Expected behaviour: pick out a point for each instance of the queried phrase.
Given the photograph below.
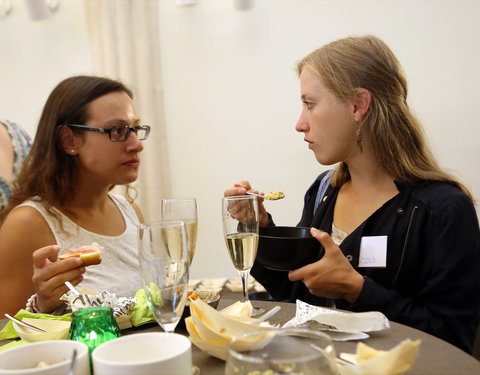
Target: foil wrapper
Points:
(120, 305)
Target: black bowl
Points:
(287, 248)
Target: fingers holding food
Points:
(90, 254)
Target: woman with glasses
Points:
(400, 235)
(88, 140)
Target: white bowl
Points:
(144, 354)
(56, 329)
(22, 360)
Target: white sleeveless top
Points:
(119, 271)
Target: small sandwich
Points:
(91, 254)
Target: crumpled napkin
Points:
(13, 344)
(8, 332)
(235, 284)
(141, 313)
(370, 361)
(211, 330)
(340, 326)
(215, 284)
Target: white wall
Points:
(232, 94)
(36, 55)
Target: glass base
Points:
(256, 311)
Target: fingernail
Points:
(314, 230)
(56, 247)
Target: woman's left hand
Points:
(332, 276)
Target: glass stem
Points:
(244, 277)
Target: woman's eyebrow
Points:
(122, 122)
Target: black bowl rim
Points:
(286, 238)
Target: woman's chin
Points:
(322, 159)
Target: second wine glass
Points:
(163, 259)
(184, 209)
(240, 229)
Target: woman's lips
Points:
(132, 163)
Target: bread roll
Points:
(90, 254)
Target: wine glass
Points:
(163, 258)
(240, 229)
(281, 351)
(184, 209)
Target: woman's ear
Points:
(361, 104)
(68, 140)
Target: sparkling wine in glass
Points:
(183, 209)
(163, 258)
(240, 229)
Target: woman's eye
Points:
(117, 131)
(308, 105)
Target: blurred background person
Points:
(15, 144)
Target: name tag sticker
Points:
(373, 252)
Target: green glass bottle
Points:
(93, 326)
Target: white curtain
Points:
(125, 45)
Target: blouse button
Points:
(400, 211)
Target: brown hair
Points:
(396, 135)
(47, 173)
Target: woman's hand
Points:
(332, 276)
(241, 188)
(49, 277)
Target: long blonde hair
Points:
(396, 135)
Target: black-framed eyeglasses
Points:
(118, 133)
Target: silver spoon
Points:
(266, 316)
(71, 369)
(31, 326)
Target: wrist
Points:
(355, 288)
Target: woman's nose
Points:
(133, 143)
(301, 125)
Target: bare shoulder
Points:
(138, 211)
(25, 229)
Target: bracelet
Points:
(32, 304)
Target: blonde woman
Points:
(400, 235)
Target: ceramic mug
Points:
(24, 359)
(144, 354)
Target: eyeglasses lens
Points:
(121, 133)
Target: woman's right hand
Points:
(49, 277)
(241, 188)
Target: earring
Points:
(72, 151)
